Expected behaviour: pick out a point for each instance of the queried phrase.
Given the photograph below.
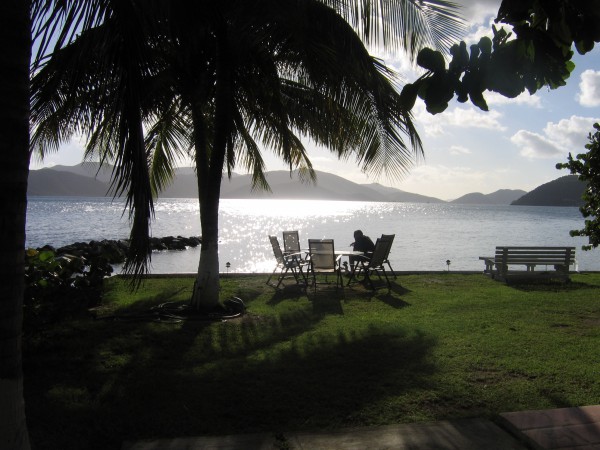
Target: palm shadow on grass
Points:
(95, 384)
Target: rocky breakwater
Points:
(114, 251)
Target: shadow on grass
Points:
(391, 300)
(398, 288)
(550, 286)
(289, 292)
(96, 384)
(382, 293)
(327, 301)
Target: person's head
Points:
(358, 234)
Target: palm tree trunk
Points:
(206, 287)
(209, 165)
(15, 48)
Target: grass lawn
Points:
(438, 346)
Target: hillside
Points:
(84, 180)
(81, 180)
(564, 191)
(87, 169)
(51, 182)
(501, 197)
(396, 195)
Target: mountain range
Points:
(88, 180)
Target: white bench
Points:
(556, 262)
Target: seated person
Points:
(361, 243)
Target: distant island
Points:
(565, 191)
(86, 180)
(501, 197)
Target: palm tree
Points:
(109, 107)
(15, 45)
(236, 74)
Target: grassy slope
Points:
(436, 347)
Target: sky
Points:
(515, 145)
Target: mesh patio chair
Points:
(374, 265)
(291, 243)
(322, 260)
(390, 238)
(288, 265)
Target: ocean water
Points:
(427, 235)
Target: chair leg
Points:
(282, 277)
(377, 271)
(387, 281)
(391, 270)
(305, 274)
(355, 271)
(368, 279)
(299, 276)
(271, 276)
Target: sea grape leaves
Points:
(536, 53)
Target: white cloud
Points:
(589, 88)
(435, 125)
(479, 30)
(558, 139)
(534, 145)
(474, 118)
(493, 98)
(478, 12)
(459, 150)
(571, 133)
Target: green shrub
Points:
(59, 285)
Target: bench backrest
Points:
(564, 256)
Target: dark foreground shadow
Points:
(94, 385)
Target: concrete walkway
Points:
(565, 428)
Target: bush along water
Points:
(68, 280)
(60, 285)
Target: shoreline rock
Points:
(115, 250)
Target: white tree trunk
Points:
(206, 287)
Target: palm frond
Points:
(404, 24)
(57, 23)
(343, 98)
(166, 142)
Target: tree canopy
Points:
(587, 167)
(536, 53)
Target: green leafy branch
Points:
(539, 54)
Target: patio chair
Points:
(390, 238)
(291, 242)
(288, 265)
(322, 260)
(374, 265)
